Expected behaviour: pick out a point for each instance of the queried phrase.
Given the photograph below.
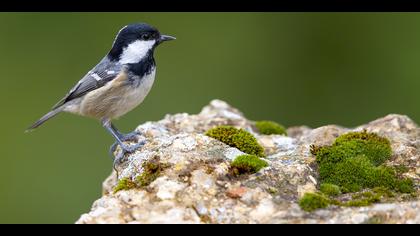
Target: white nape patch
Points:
(96, 76)
(135, 51)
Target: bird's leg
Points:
(120, 138)
(114, 145)
(133, 136)
(120, 135)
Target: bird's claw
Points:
(112, 149)
(125, 149)
(119, 157)
(133, 136)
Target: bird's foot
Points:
(119, 156)
(133, 136)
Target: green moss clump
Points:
(376, 148)
(354, 174)
(330, 189)
(405, 186)
(244, 164)
(237, 138)
(312, 201)
(151, 170)
(270, 127)
(363, 199)
(361, 202)
(353, 162)
(368, 197)
(125, 184)
(384, 192)
(272, 190)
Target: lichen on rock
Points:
(181, 175)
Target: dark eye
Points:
(145, 36)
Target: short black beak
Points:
(166, 38)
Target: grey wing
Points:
(94, 79)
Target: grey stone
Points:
(194, 186)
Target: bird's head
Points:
(135, 41)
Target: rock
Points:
(236, 192)
(194, 184)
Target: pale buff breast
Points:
(116, 98)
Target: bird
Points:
(116, 85)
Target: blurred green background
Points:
(294, 68)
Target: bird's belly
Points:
(133, 96)
(115, 100)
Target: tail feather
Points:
(46, 117)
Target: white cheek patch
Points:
(135, 51)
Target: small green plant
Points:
(151, 170)
(125, 184)
(312, 201)
(405, 186)
(270, 127)
(245, 164)
(368, 197)
(238, 138)
(363, 199)
(330, 189)
(359, 199)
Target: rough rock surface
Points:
(195, 188)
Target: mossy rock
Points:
(151, 170)
(247, 164)
(355, 161)
(125, 184)
(270, 127)
(313, 201)
(238, 138)
(368, 197)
